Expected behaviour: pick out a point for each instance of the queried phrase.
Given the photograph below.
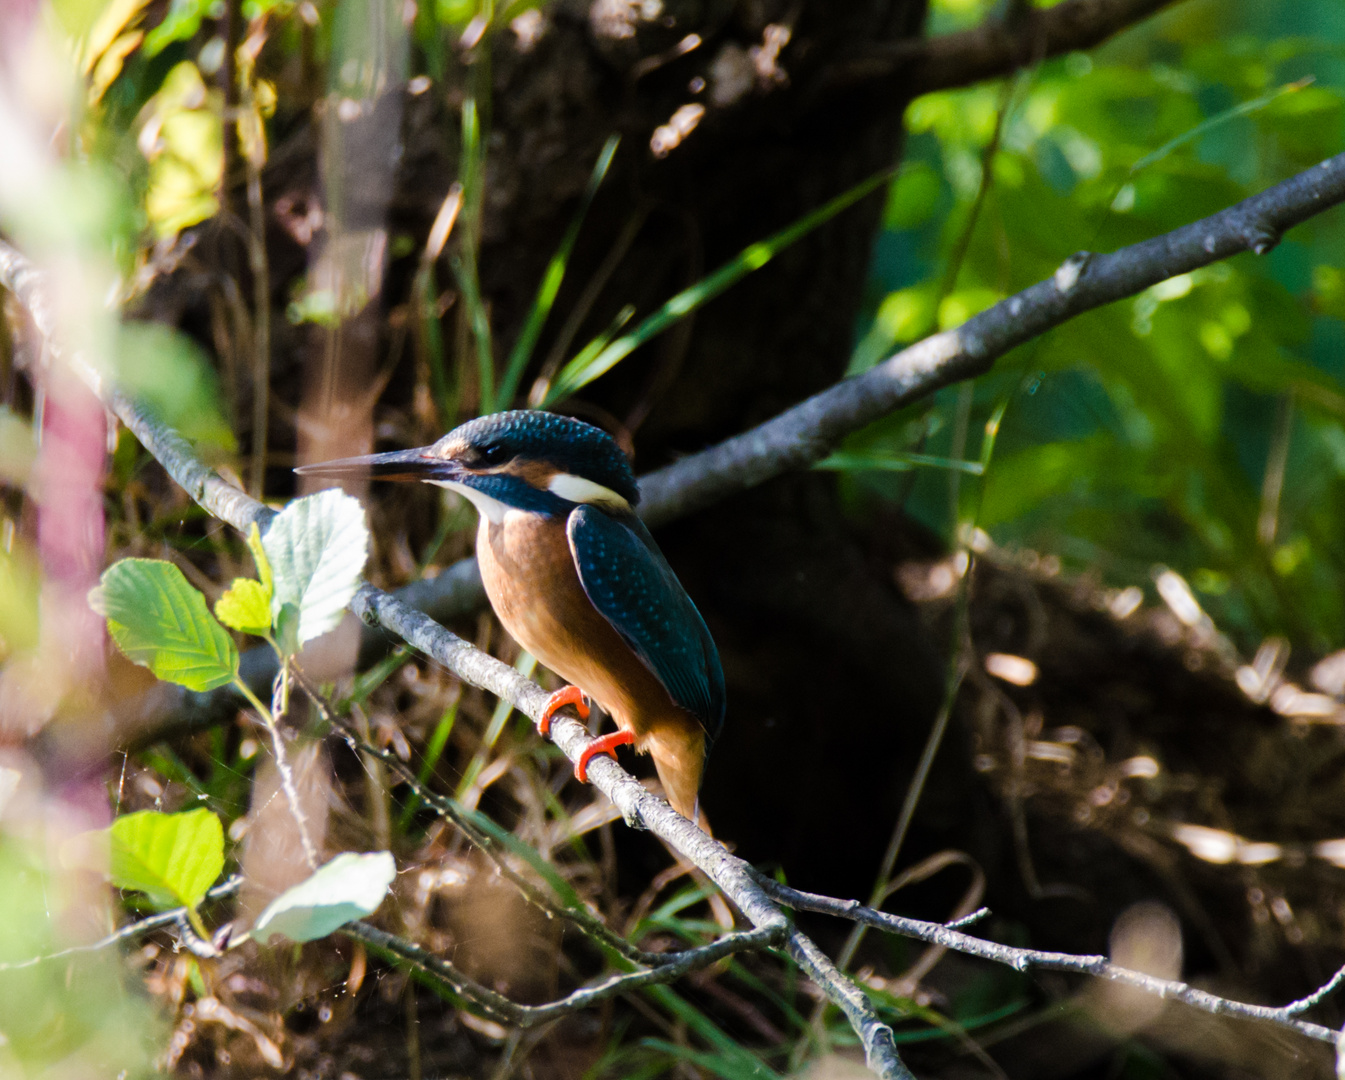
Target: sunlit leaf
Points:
(172, 858)
(317, 547)
(245, 607)
(183, 140)
(349, 887)
(159, 621)
(254, 541)
(181, 23)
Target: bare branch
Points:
(173, 916)
(879, 1045)
(510, 1012)
(996, 47)
(806, 433)
(1027, 959)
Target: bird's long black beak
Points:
(417, 464)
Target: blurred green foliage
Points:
(72, 1016)
(1150, 431)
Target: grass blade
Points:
(551, 282)
(582, 370)
(897, 461)
(464, 265)
(1243, 109)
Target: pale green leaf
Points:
(259, 557)
(317, 547)
(159, 621)
(172, 858)
(245, 607)
(349, 887)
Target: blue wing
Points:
(631, 584)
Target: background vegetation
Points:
(244, 211)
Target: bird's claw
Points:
(566, 695)
(605, 745)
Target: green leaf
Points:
(172, 858)
(349, 887)
(259, 557)
(247, 604)
(246, 607)
(181, 22)
(162, 623)
(317, 547)
(169, 372)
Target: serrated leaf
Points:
(349, 887)
(245, 607)
(159, 621)
(317, 547)
(172, 858)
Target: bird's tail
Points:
(678, 750)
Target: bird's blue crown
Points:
(572, 446)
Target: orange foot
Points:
(568, 695)
(605, 745)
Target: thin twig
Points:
(503, 1009)
(449, 809)
(1027, 959)
(270, 717)
(175, 916)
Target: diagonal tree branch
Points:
(639, 807)
(808, 432)
(996, 47)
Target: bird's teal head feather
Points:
(524, 459)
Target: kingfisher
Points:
(575, 576)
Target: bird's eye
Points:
(493, 454)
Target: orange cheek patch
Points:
(537, 473)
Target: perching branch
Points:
(997, 47)
(806, 433)
(637, 805)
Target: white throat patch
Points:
(491, 509)
(577, 489)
